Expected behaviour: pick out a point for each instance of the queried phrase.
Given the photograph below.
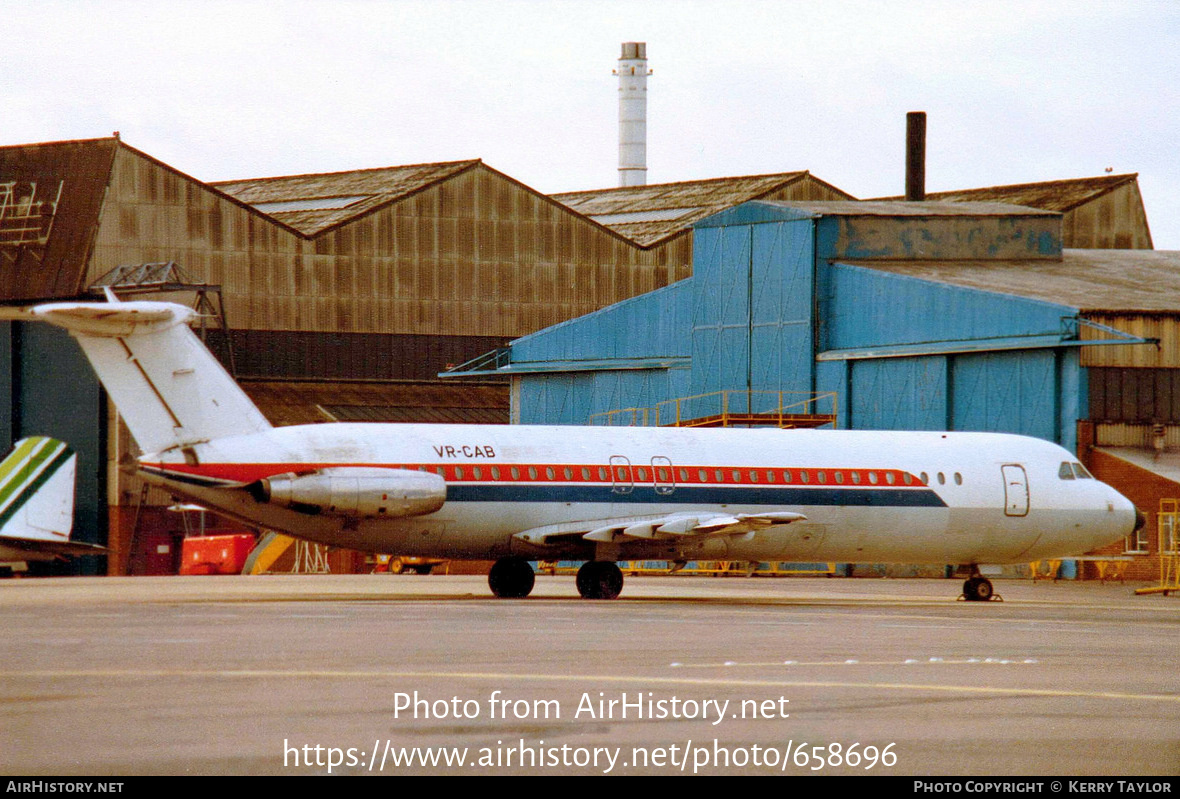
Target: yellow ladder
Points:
(1169, 549)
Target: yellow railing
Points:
(730, 408)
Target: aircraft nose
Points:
(1140, 520)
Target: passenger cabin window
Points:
(958, 479)
(1065, 472)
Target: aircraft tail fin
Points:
(167, 385)
(37, 491)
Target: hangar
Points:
(930, 315)
(344, 294)
(1103, 212)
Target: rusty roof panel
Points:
(303, 402)
(1053, 195)
(60, 186)
(364, 189)
(903, 208)
(1090, 280)
(696, 199)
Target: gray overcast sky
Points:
(1015, 91)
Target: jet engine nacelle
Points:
(356, 492)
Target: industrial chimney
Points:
(915, 155)
(633, 74)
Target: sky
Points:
(1015, 92)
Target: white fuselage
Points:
(917, 497)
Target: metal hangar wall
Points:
(787, 297)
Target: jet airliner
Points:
(37, 503)
(518, 493)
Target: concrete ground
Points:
(357, 674)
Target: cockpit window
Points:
(1080, 471)
(1065, 472)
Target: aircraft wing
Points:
(686, 524)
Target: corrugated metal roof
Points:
(696, 198)
(368, 189)
(1052, 195)
(1091, 280)
(926, 208)
(67, 181)
(286, 402)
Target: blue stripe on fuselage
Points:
(697, 495)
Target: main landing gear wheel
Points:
(511, 578)
(978, 589)
(599, 579)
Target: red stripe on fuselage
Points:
(574, 473)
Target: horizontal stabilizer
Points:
(168, 387)
(25, 549)
(116, 320)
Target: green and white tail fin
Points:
(37, 491)
(168, 387)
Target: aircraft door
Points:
(621, 475)
(665, 480)
(1015, 489)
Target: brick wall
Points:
(1145, 489)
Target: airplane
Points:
(37, 503)
(515, 493)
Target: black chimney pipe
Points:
(915, 155)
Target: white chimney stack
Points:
(633, 74)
